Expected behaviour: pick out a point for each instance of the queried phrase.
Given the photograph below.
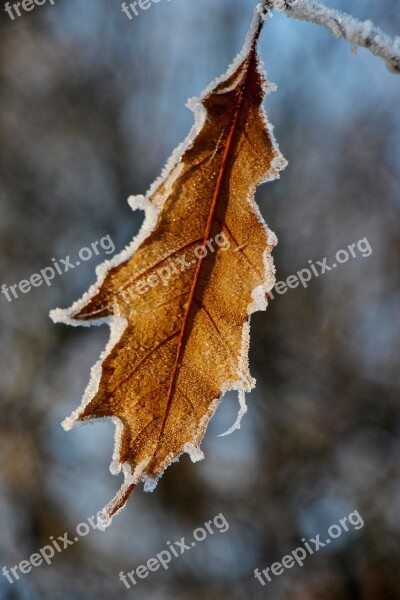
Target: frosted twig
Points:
(342, 25)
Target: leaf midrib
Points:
(239, 104)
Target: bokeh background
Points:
(91, 106)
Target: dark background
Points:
(91, 105)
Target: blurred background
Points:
(91, 106)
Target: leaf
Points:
(179, 298)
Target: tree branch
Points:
(342, 25)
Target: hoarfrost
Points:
(343, 25)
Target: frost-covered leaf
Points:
(178, 299)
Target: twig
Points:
(342, 25)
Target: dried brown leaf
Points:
(179, 342)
